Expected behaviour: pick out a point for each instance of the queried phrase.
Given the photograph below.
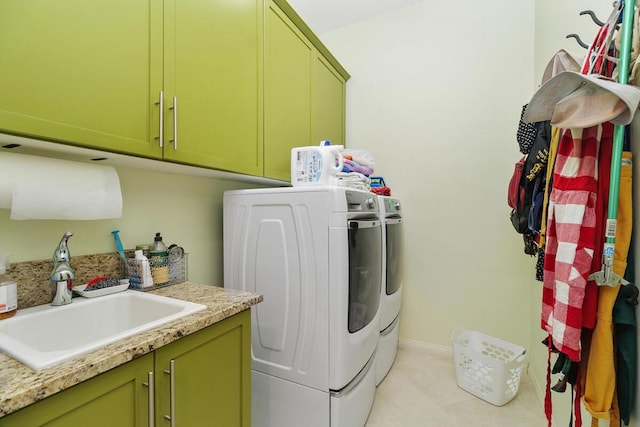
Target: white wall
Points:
(555, 19)
(436, 94)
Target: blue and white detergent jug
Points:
(316, 165)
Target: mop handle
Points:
(618, 138)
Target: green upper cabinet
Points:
(288, 60)
(82, 72)
(213, 73)
(304, 93)
(328, 89)
(92, 73)
(223, 84)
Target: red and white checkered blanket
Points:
(570, 237)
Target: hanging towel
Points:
(570, 237)
(600, 381)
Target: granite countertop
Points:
(21, 386)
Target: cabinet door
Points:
(82, 72)
(114, 398)
(211, 372)
(328, 108)
(288, 62)
(213, 64)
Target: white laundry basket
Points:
(487, 367)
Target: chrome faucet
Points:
(62, 273)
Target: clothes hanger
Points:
(604, 37)
(594, 18)
(578, 40)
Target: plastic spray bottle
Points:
(8, 290)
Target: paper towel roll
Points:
(36, 187)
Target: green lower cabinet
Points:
(115, 398)
(203, 379)
(211, 373)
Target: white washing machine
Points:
(315, 254)
(391, 289)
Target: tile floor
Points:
(421, 391)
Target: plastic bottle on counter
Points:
(159, 258)
(146, 279)
(8, 290)
(316, 165)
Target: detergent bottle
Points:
(316, 165)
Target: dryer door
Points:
(364, 272)
(393, 251)
(355, 261)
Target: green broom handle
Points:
(618, 133)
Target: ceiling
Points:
(327, 15)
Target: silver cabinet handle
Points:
(160, 103)
(172, 387)
(151, 392)
(175, 123)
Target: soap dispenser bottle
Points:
(159, 258)
(8, 290)
(146, 279)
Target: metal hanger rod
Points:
(593, 17)
(578, 39)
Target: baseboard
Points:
(436, 349)
(540, 389)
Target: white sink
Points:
(44, 336)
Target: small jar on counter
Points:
(8, 290)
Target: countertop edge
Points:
(21, 386)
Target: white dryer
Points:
(315, 254)
(391, 289)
